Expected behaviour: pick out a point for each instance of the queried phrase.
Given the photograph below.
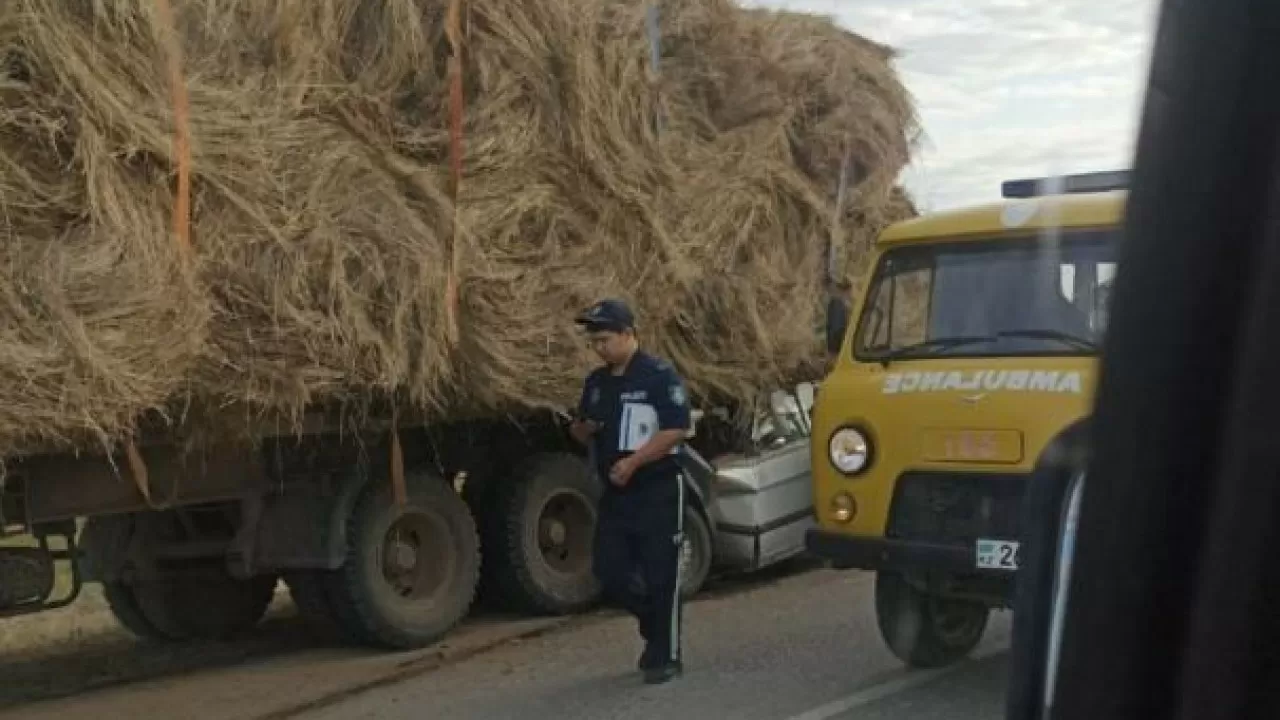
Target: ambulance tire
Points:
(925, 630)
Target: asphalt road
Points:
(802, 648)
(789, 644)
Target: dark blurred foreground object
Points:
(1173, 600)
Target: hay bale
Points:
(322, 224)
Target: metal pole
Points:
(842, 189)
(654, 28)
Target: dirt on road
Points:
(80, 648)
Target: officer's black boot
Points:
(647, 658)
(665, 672)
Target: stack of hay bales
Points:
(322, 227)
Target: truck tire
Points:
(486, 507)
(124, 607)
(696, 553)
(228, 606)
(310, 594)
(203, 603)
(543, 558)
(156, 601)
(923, 630)
(306, 589)
(410, 573)
(105, 542)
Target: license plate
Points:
(999, 447)
(997, 555)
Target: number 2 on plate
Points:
(1008, 556)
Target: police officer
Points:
(633, 416)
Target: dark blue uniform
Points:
(641, 526)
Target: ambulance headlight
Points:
(849, 451)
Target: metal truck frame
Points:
(377, 533)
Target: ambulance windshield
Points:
(1004, 297)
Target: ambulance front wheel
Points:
(925, 630)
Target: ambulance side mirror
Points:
(837, 323)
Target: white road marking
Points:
(868, 695)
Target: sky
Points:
(1008, 88)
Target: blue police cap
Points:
(610, 314)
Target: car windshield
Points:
(782, 419)
(1021, 296)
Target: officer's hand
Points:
(582, 430)
(621, 472)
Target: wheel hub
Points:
(555, 532)
(565, 526)
(404, 557)
(955, 621)
(409, 544)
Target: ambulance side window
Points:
(1087, 286)
(899, 314)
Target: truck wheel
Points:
(105, 542)
(695, 553)
(926, 631)
(486, 507)
(310, 595)
(156, 600)
(548, 515)
(173, 603)
(311, 591)
(227, 606)
(306, 589)
(203, 604)
(124, 607)
(411, 572)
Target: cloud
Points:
(1008, 88)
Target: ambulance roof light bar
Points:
(1066, 184)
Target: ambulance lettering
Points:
(1067, 382)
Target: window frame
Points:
(863, 353)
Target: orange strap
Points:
(181, 196)
(181, 127)
(453, 31)
(138, 469)
(398, 492)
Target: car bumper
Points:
(866, 553)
